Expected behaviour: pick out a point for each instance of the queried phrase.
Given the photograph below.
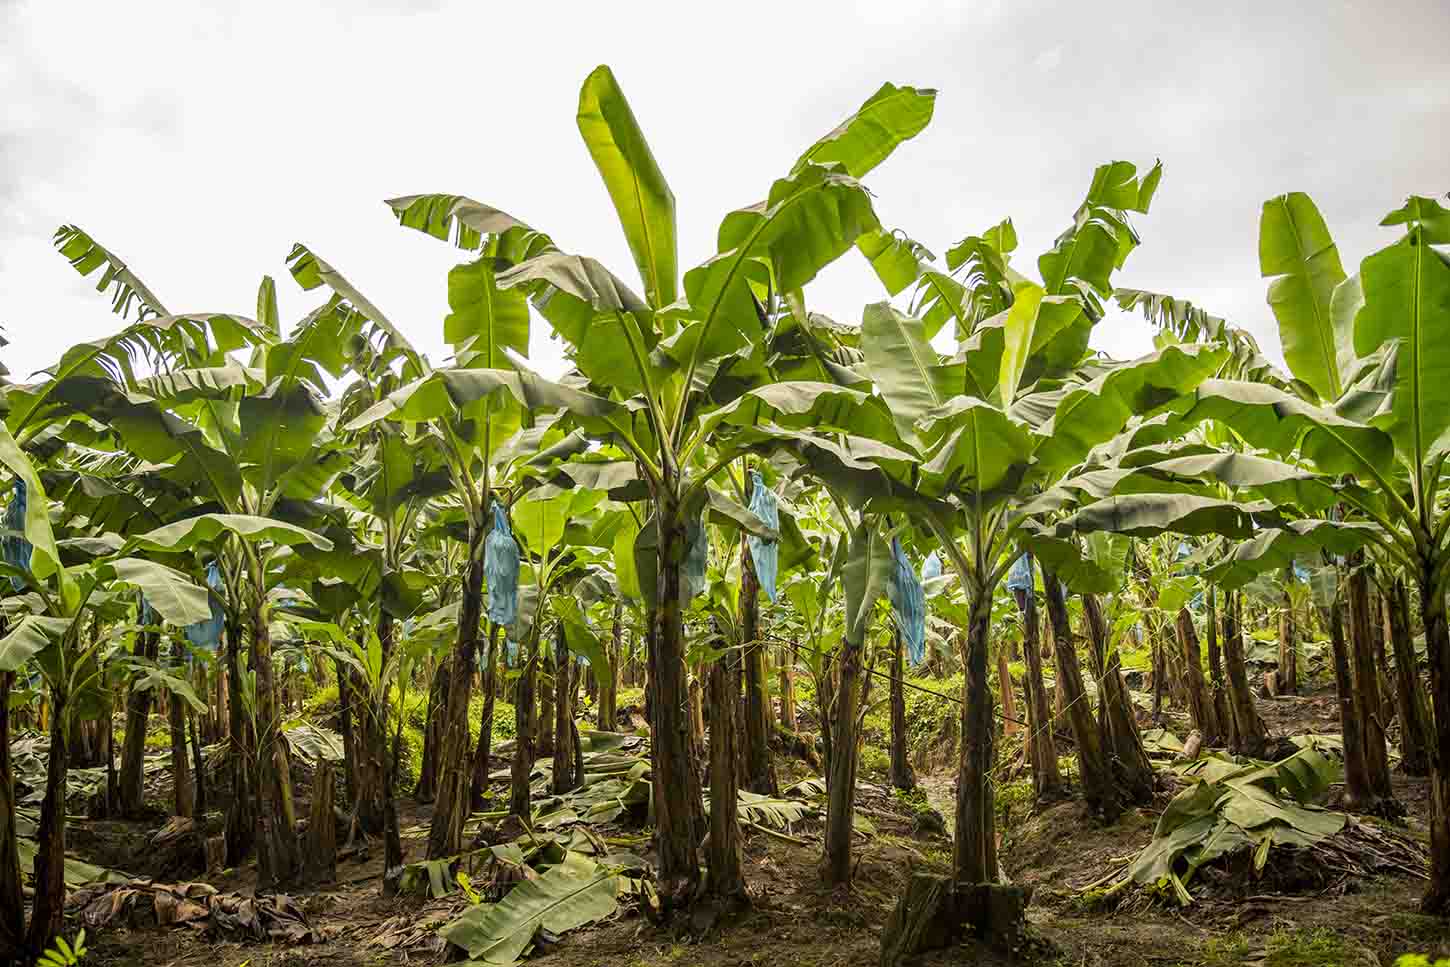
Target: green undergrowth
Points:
(930, 718)
(322, 705)
(1317, 947)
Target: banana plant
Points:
(60, 599)
(983, 431)
(664, 360)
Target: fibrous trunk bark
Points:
(48, 911)
(564, 678)
(322, 827)
(370, 739)
(1251, 738)
(1288, 640)
(727, 880)
(759, 769)
(1097, 777)
(455, 767)
(547, 687)
(902, 775)
(198, 763)
(484, 749)
(1201, 710)
(826, 700)
(1411, 705)
(525, 729)
(12, 897)
(275, 810)
(433, 727)
(1115, 710)
(183, 801)
(1041, 746)
(1437, 646)
(679, 812)
(133, 745)
(841, 779)
(1011, 724)
(608, 678)
(1227, 729)
(352, 743)
(241, 812)
(1368, 707)
(788, 719)
(974, 850)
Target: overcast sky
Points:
(199, 141)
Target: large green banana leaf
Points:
(572, 893)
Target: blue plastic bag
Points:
(207, 635)
(765, 554)
(16, 550)
(1020, 577)
(501, 569)
(145, 614)
(931, 567)
(908, 602)
(697, 555)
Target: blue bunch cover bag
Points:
(908, 601)
(765, 554)
(501, 570)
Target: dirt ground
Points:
(793, 920)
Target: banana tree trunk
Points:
(433, 724)
(826, 700)
(1251, 738)
(241, 813)
(841, 779)
(1041, 746)
(679, 813)
(1115, 710)
(455, 772)
(49, 876)
(1288, 641)
(198, 763)
(902, 776)
(524, 728)
(347, 724)
(974, 851)
(370, 738)
(1411, 705)
(1097, 777)
(727, 880)
(1160, 677)
(1367, 704)
(1228, 730)
(12, 897)
(133, 745)
(548, 674)
(564, 778)
(608, 700)
(484, 749)
(1010, 722)
(1357, 787)
(759, 768)
(1437, 643)
(275, 810)
(183, 794)
(786, 665)
(1202, 712)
